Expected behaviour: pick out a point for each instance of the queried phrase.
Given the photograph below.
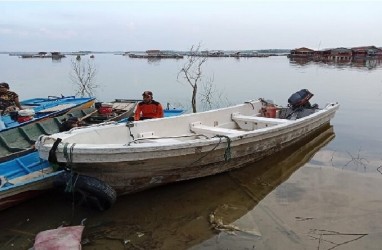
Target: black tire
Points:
(87, 191)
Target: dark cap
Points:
(4, 85)
(146, 93)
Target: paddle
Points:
(88, 115)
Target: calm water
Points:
(323, 194)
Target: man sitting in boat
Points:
(9, 100)
(148, 108)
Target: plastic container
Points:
(21, 119)
(105, 110)
(270, 111)
(25, 115)
(26, 112)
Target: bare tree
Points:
(212, 97)
(83, 75)
(192, 72)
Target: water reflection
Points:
(361, 63)
(171, 217)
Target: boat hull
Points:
(14, 195)
(131, 168)
(133, 176)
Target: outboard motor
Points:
(299, 105)
(300, 99)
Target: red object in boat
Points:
(271, 111)
(105, 110)
(21, 119)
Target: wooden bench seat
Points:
(255, 122)
(199, 128)
(246, 118)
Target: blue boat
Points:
(40, 108)
(173, 112)
(24, 178)
(27, 176)
(19, 133)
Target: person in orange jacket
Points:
(148, 108)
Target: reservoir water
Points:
(322, 194)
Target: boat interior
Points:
(224, 122)
(21, 138)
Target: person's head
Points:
(147, 96)
(4, 87)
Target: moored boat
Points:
(24, 175)
(20, 140)
(23, 178)
(131, 157)
(37, 109)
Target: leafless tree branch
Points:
(83, 76)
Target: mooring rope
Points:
(227, 151)
(70, 184)
(131, 134)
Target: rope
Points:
(227, 151)
(68, 156)
(128, 124)
(69, 160)
(70, 184)
(164, 137)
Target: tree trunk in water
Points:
(193, 100)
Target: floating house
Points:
(367, 52)
(337, 54)
(53, 55)
(302, 53)
(155, 54)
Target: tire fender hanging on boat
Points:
(86, 190)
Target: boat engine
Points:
(298, 105)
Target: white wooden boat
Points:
(134, 156)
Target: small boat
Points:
(25, 175)
(23, 178)
(20, 140)
(37, 109)
(21, 129)
(131, 157)
(172, 112)
(116, 110)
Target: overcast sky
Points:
(177, 25)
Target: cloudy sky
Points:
(157, 24)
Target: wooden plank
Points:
(198, 128)
(256, 119)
